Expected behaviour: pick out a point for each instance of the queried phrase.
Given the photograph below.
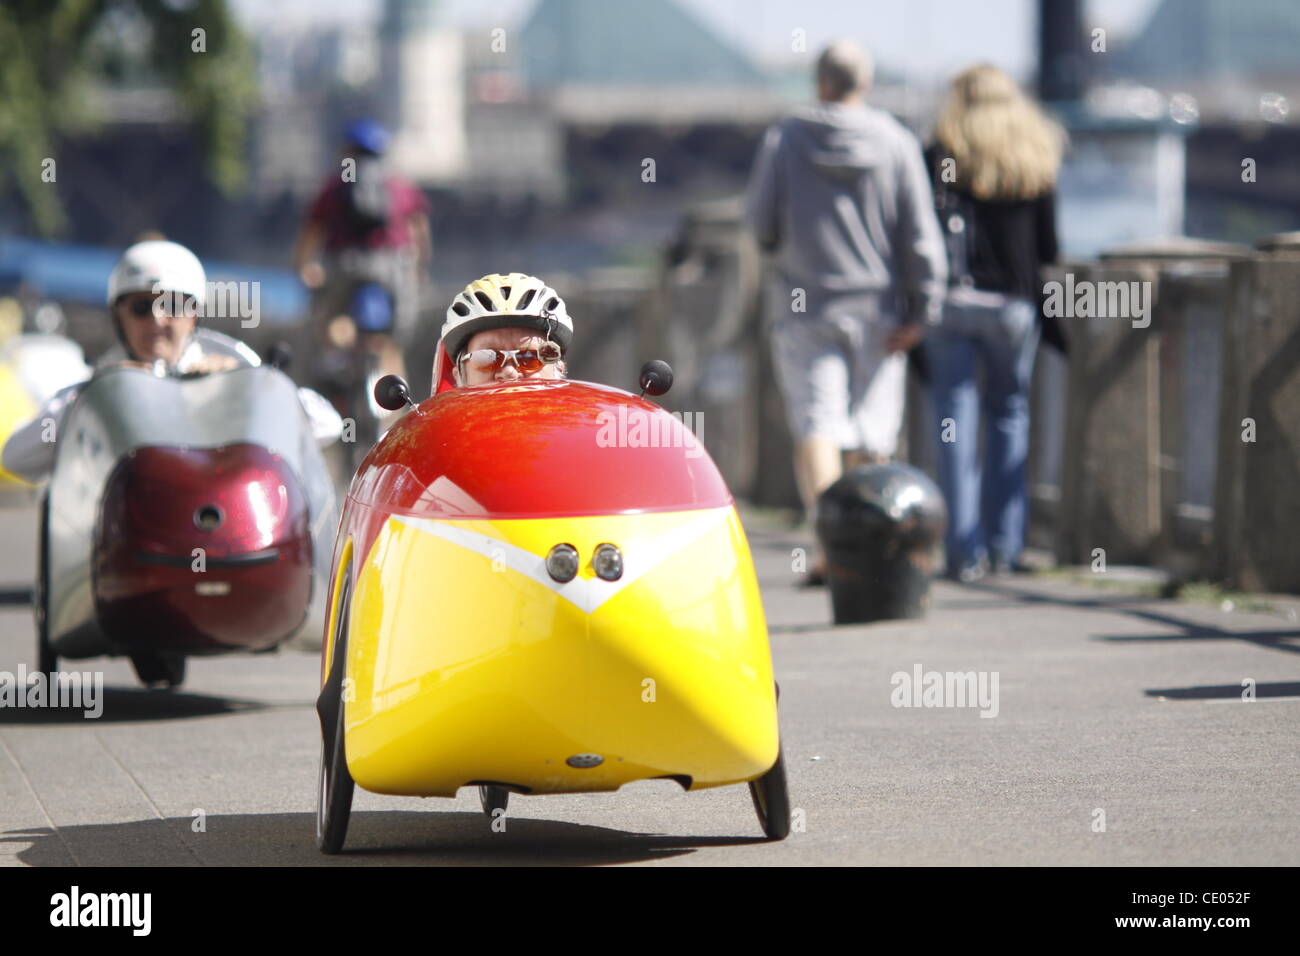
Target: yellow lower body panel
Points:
(468, 663)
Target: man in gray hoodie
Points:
(840, 194)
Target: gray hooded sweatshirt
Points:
(841, 195)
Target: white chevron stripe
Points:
(586, 594)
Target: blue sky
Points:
(926, 40)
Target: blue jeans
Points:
(986, 506)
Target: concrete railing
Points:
(1182, 436)
(1256, 527)
(1139, 458)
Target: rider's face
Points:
(506, 339)
(155, 334)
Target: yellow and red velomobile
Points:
(529, 595)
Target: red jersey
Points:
(330, 209)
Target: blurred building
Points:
(541, 128)
(421, 94)
(573, 101)
(1226, 72)
(531, 138)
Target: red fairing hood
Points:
(538, 450)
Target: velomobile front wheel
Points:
(493, 798)
(159, 670)
(334, 793)
(772, 800)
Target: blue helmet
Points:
(366, 134)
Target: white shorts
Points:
(838, 382)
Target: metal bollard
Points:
(880, 526)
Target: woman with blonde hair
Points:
(993, 165)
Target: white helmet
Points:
(505, 301)
(167, 265)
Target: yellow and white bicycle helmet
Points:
(505, 301)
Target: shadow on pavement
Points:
(992, 603)
(16, 595)
(997, 596)
(380, 838)
(122, 705)
(1273, 640)
(800, 628)
(1226, 691)
(1278, 640)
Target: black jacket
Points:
(1011, 238)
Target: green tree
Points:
(54, 56)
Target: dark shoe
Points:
(815, 578)
(1003, 568)
(968, 572)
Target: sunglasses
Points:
(526, 360)
(143, 306)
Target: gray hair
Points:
(844, 68)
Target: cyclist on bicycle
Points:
(372, 230)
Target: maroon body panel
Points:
(243, 507)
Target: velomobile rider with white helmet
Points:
(502, 328)
(145, 289)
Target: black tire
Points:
(174, 667)
(492, 798)
(336, 787)
(159, 670)
(772, 800)
(47, 662)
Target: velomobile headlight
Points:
(608, 562)
(562, 562)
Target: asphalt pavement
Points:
(1119, 736)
